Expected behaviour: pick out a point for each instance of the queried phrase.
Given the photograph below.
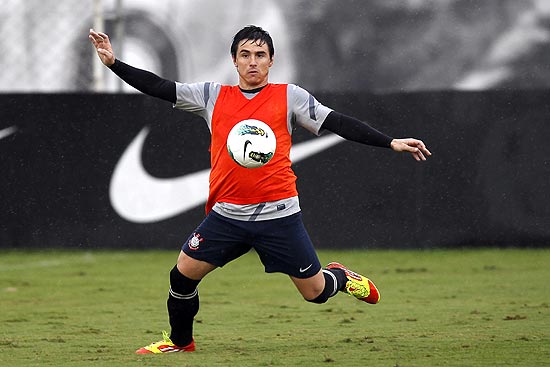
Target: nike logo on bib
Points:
(246, 143)
(141, 198)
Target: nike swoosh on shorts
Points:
(305, 269)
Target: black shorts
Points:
(282, 244)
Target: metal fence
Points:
(36, 39)
(44, 46)
(323, 45)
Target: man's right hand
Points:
(103, 47)
(414, 146)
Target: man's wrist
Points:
(114, 64)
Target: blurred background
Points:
(336, 45)
(469, 77)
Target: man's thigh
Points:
(217, 240)
(284, 246)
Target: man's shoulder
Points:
(282, 85)
(199, 85)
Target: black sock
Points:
(333, 284)
(183, 305)
(341, 277)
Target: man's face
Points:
(253, 62)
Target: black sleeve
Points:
(145, 81)
(352, 129)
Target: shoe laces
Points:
(166, 337)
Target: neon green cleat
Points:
(358, 285)
(165, 346)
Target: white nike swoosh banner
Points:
(4, 133)
(141, 198)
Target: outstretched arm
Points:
(355, 130)
(144, 81)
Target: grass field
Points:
(438, 308)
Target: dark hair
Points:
(252, 33)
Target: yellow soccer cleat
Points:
(165, 346)
(358, 285)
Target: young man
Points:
(239, 217)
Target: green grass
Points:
(438, 308)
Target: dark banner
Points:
(128, 171)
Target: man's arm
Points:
(144, 81)
(352, 129)
(355, 130)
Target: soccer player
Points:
(264, 216)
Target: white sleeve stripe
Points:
(206, 93)
(312, 108)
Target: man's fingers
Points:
(93, 34)
(417, 149)
(422, 147)
(94, 40)
(422, 150)
(410, 147)
(420, 156)
(98, 36)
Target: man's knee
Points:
(192, 268)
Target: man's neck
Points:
(252, 91)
